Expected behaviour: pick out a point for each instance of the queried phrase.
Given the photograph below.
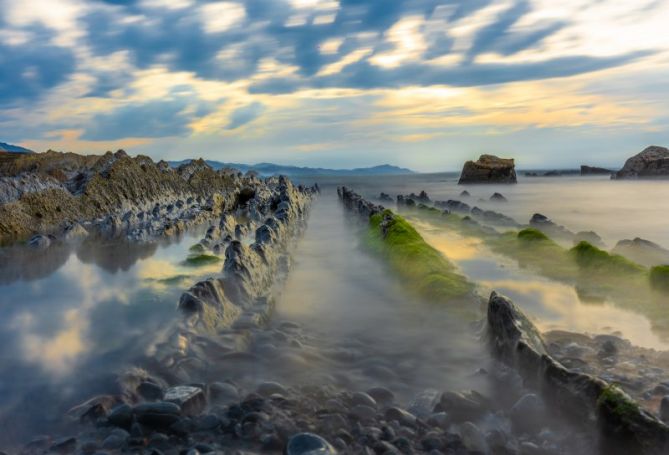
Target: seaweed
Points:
(421, 266)
(591, 258)
(659, 278)
(198, 260)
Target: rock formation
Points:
(625, 427)
(642, 251)
(488, 169)
(242, 295)
(112, 194)
(550, 228)
(651, 163)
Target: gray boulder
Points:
(642, 251)
(651, 163)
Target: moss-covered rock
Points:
(591, 258)
(532, 235)
(420, 265)
(199, 260)
(659, 278)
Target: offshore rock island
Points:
(489, 169)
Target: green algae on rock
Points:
(591, 258)
(419, 264)
(198, 260)
(421, 267)
(659, 278)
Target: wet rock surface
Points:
(641, 372)
(624, 426)
(488, 169)
(321, 419)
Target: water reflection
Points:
(616, 210)
(551, 305)
(73, 317)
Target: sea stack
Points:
(652, 163)
(488, 169)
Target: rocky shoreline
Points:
(64, 196)
(623, 425)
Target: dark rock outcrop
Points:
(593, 170)
(498, 197)
(453, 205)
(492, 217)
(651, 163)
(589, 236)
(488, 169)
(551, 229)
(385, 197)
(354, 201)
(243, 292)
(624, 426)
(642, 251)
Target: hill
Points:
(274, 169)
(9, 148)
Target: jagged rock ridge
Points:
(47, 192)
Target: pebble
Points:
(270, 388)
(400, 415)
(223, 392)
(308, 444)
(473, 438)
(363, 412)
(161, 414)
(64, 445)
(361, 398)
(113, 442)
(120, 416)
(191, 400)
(381, 395)
(526, 414)
(460, 406)
(150, 391)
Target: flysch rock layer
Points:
(243, 294)
(624, 426)
(63, 195)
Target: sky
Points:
(425, 84)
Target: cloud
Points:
(245, 114)
(31, 69)
(363, 75)
(110, 69)
(152, 119)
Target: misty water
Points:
(74, 318)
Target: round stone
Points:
(308, 444)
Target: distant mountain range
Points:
(274, 169)
(9, 148)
